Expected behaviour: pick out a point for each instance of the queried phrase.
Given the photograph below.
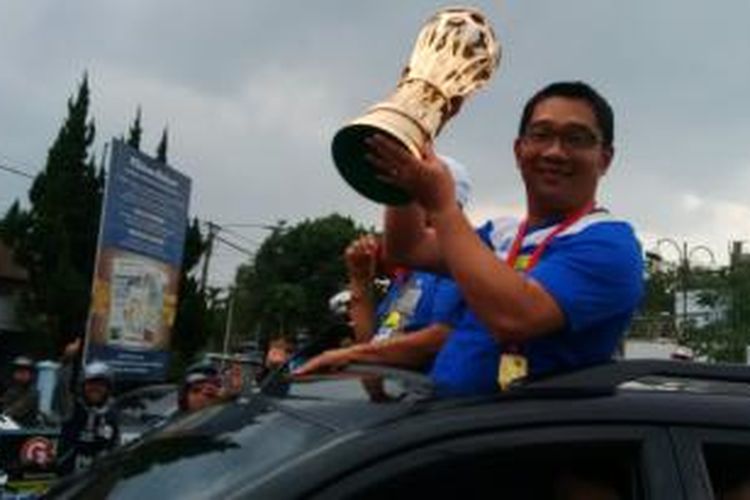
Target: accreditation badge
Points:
(512, 367)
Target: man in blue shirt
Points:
(554, 291)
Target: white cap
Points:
(461, 179)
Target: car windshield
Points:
(146, 406)
(216, 448)
(241, 441)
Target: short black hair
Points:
(574, 90)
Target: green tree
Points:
(136, 131)
(189, 333)
(55, 238)
(161, 149)
(287, 286)
(727, 290)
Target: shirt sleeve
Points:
(484, 232)
(594, 275)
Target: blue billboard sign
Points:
(141, 241)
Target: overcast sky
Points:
(253, 91)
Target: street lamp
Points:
(685, 253)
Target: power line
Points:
(256, 225)
(234, 245)
(240, 236)
(16, 171)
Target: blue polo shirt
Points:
(415, 301)
(593, 270)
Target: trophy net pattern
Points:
(456, 51)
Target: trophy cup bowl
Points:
(455, 54)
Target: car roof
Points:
(662, 392)
(336, 410)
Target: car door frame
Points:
(688, 445)
(659, 476)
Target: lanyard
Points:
(515, 249)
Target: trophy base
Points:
(349, 150)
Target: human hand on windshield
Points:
(329, 361)
(426, 178)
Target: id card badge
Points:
(512, 367)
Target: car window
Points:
(557, 462)
(729, 470)
(605, 471)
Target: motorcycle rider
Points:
(21, 399)
(92, 430)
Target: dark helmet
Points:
(205, 367)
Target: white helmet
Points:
(98, 370)
(23, 362)
(339, 303)
(461, 179)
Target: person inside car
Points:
(198, 391)
(93, 428)
(548, 293)
(20, 401)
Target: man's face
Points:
(95, 391)
(22, 376)
(278, 354)
(561, 156)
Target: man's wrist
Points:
(444, 213)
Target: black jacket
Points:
(87, 434)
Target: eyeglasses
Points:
(571, 138)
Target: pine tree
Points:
(136, 131)
(55, 239)
(161, 149)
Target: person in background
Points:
(410, 324)
(93, 428)
(20, 401)
(198, 391)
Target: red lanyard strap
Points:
(515, 249)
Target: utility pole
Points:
(212, 230)
(684, 254)
(227, 327)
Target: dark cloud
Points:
(253, 91)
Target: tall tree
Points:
(161, 149)
(296, 270)
(136, 131)
(55, 239)
(189, 334)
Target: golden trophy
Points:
(455, 54)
